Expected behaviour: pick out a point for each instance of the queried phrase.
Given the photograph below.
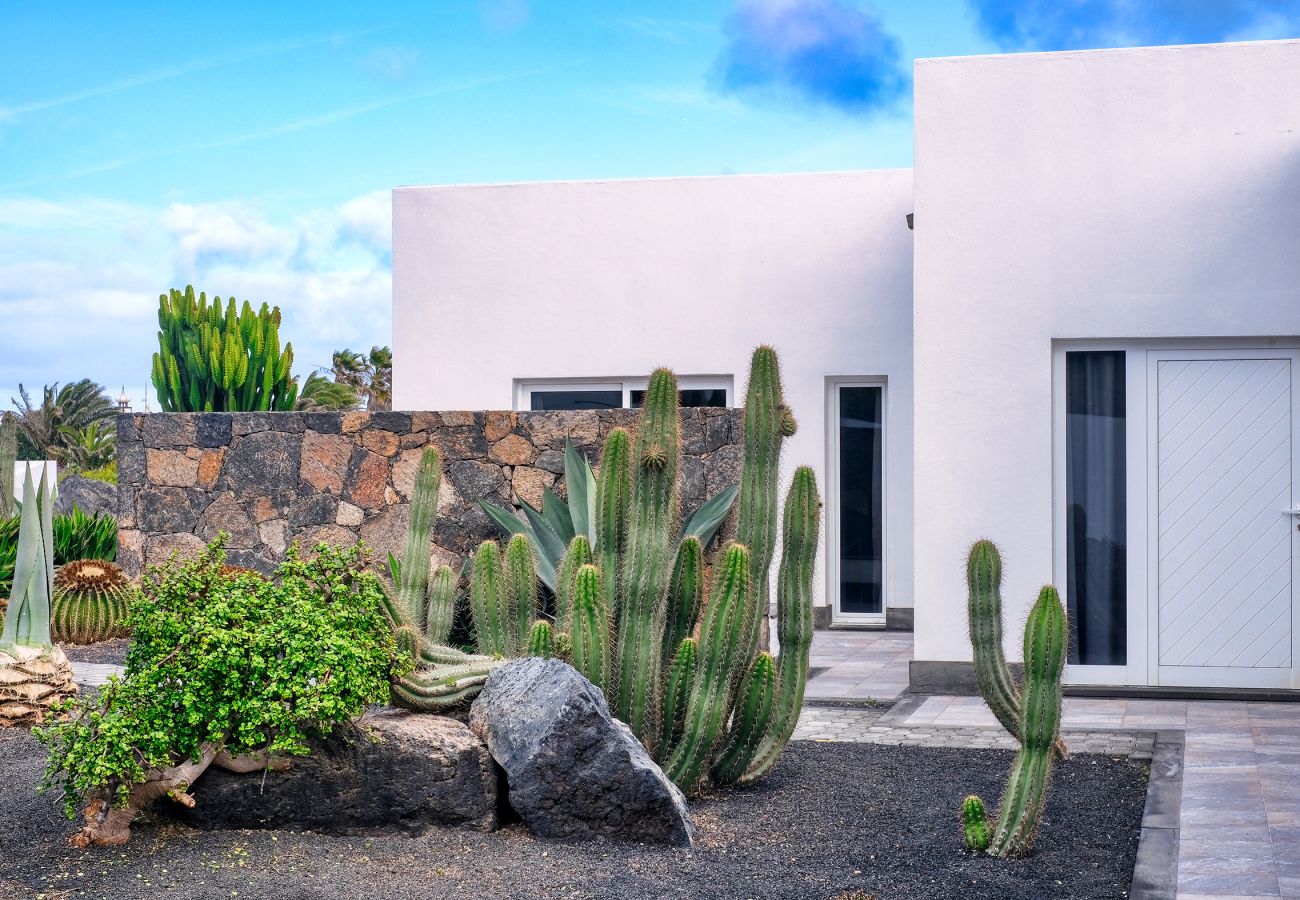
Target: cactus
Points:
(577, 556)
(496, 628)
(541, 640)
(209, 361)
(613, 495)
(677, 692)
(685, 595)
(413, 575)
(90, 602)
(8, 456)
(975, 831)
(801, 519)
(767, 422)
(753, 712)
(1021, 809)
(520, 589)
(589, 636)
(441, 609)
(652, 518)
(720, 656)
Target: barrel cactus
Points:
(90, 602)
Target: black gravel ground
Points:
(113, 651)
(834, 820)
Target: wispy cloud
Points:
(827, 52)
(670, 31)
(1086, 24)
(167, 73)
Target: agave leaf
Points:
(509, 523)
(581, 484)
(709, 517)
(394, 568)
(556, 512)
(549, 547)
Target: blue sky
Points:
(249, 147)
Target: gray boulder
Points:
(572, 770)
(396, 771)
(87, 494)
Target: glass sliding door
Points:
(859, 525)
(1095, 507)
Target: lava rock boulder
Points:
(572, 770)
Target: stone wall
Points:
(268, 479)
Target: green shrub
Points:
(106, 473)
(81, 536)
(225, 664)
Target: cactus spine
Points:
(589, 635)
(975, 831)
(613, 494)
(442, 605)
(1021, 809)
(8, 456)
(721, 655)
(495, 627)
(677, 692)
(520, 589)
(685, 595)
(413, 579)
(541, 640)
(753, 712)
(984, 602)
(210, 361)
(800, 527)
(652, 519)
(577, 556)
(90, 602)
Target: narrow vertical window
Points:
(861, 499)
(1095, 492)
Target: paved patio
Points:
(856, 665)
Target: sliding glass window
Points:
(1096, 534)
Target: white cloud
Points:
(369, 218)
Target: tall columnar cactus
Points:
(685, 595)
(496, 627)
(210, 360)
(642, 592)
(800, 527)
(577, 556)
(520, 590)
(90, 602)
(613, 495)
(754, 705)
(8, 456)
(1021, 809)
(719, 659)
(677, 691)
(413, 576)
(589, 633)
(975, 831)
(768, 421)
(441, 609)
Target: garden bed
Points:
(831, 819)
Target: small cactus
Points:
(541, 640)
(975, 831)
(90, 602)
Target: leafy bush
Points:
(222, 664)
(106, 473)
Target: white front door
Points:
(1223, 552)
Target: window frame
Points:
(524, 388)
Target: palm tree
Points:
(62, 416)
(370, 376)
(381, 378)
(319, 393)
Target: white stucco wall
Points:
(1102, 194)
(613, 278)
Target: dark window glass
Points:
(1096, 538)
(577, 399)
(862, 513)
(689, 398)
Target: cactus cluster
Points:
(1039, 720)
(215, 360)
(90, 602)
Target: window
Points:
(578, 393)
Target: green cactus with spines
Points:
(753, 712)
(90, 602)
(520, 588)
(649, 551)
(441, 610)
(719, 660)
(27, 618)
(589, 637)
(413, 577)
(578, 555)
(564, 647)
(1046, 645)
(541, 640)
(976, 833)
(496, 627)
(685, 595)
(8, 456)
(208, 360)
(677, 692)
(613, 494)
(767, 419)
(800, 530)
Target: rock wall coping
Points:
(268, 479)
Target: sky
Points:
(249, 148)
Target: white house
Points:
(1087, 350)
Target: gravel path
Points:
(105, 652)
(832, 819)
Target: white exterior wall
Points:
(494, 283)
(1104, 194)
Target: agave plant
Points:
(552, 528)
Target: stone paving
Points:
(859, 664)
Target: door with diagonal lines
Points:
(1224, 548)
